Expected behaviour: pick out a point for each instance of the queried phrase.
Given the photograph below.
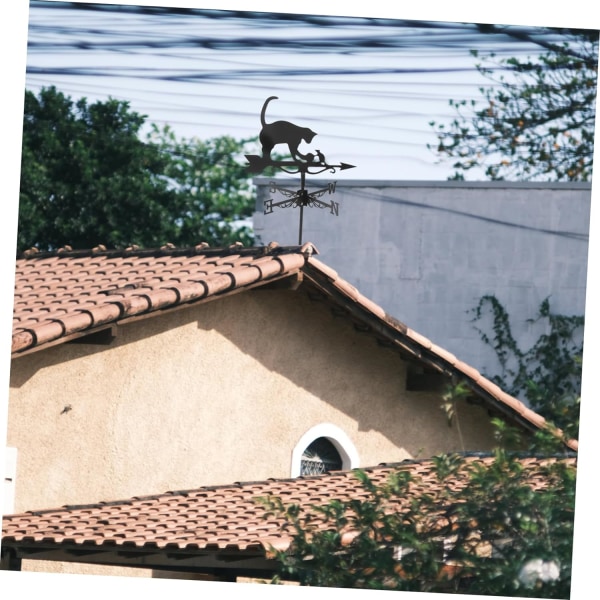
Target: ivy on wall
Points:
(547, 376)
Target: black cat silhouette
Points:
(282, 132)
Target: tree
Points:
(537, 123)
(88, 177)
(471, 526)
(212, 185)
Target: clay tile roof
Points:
(61, 294)
(220, 518)
(69, 293)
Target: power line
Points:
(371, 80)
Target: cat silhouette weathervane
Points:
(313, 163)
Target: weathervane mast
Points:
(312, 163)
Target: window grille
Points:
(320, 456)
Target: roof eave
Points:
(251, 561)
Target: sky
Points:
(369, 88)
(354, 126)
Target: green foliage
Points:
(548, 374)
(456, 391)
(87, 177)
(213, 189)
(518, 525)
(535, 124)
(476, 527)
(490, 535)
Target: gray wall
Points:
(428, 251)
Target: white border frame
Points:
(343, 444)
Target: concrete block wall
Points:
(428, 251)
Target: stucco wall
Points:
(213, 394)
(428, 251)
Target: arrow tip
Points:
(344, 166)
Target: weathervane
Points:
(284, 132)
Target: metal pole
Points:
(302, 184)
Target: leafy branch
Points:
(482, 527)
(548, 374)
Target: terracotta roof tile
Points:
(73, 292)
(48, 331)
(224, 516)
(328, 271)
(421, 340)
(447, 356)
(243, 275)
(70, 292)
(372, 307)
(130, 305)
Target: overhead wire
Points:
(246, 54)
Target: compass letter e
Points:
(268, 206)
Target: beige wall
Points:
(213, 394)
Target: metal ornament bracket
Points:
(311, 164)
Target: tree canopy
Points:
(88, 177)
(536, 122)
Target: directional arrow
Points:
(257, 164)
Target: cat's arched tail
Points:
(263, 112)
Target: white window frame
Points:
(342, 443)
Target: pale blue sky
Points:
(371, 107)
